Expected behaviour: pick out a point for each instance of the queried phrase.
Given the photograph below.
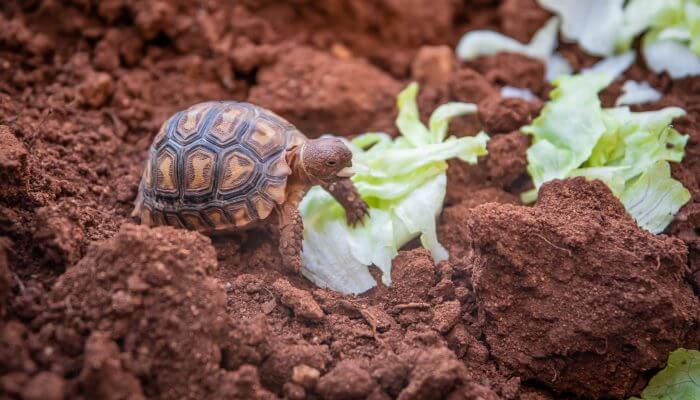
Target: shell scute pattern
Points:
(217, 166)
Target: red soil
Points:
(94, 307)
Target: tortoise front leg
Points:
(347, 195)
(291, 235)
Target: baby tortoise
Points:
(222, 166)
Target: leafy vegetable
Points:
(629, 151)
(634, 92)
(519, 93)
(591, 23)
(483, 42)
(614, 66)
(672, 42)
(403, 182)
(680, 380)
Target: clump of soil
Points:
(151, 291)
(573, 294)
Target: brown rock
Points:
(300, 301)
(573, 294)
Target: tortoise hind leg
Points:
(291, 236)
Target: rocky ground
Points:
(566, 298)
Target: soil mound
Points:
(151, 291)
(573, 294)
(345, 96)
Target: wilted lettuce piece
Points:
(629, 151)
(634, 92)
(483, 42)
(591, 23)
(403, 181)
(680, 380)
(655, 197)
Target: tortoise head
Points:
(326, 159)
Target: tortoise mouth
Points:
(346, 172)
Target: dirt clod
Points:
(433, 65)
(349, 380)
(300, 301)
(305, 376)
(173, 332)
(502, 115)
(571, 290)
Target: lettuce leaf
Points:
(403, 181)
(680, 380)
(568, 128)
(672, 40)
(629, 151)
(591, 23)
(634, 92)
(655, 197)
(483, 42)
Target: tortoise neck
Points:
(295, 159)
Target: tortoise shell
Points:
(216, 166)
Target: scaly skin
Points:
(291, 225)
(290, 222)
(346, 194)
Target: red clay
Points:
(94, 307)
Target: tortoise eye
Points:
(331, 163)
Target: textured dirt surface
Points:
(94, 307)
(585, 303)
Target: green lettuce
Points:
(680, 380)
(672, 39)
(403, 182)
(629, 151)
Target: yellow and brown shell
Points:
(216, 166)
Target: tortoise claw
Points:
(357, 213)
